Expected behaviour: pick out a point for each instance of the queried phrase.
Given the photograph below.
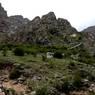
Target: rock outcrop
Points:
(3, 13)
(45, 30)
(3, 17)
(89, 38)
(15, 22)
(12, 23)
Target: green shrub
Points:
(63, 86)
(15, 73)
(9, 90)
(72, 65)
(44, 58)
(58, 55)
(6, 64)
(51, 65)
(47, 91)
(91, 93)
(77, 82)
(4, 51)
(42, 91)
(19, 51)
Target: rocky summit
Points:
(45, 31)
(3, 13)
(3, 17)
(15, 22)
(10, 24)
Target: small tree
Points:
(42, 91)
(77, 82)
(19, 51)
(15, 73)
(63, 86)
(58, 55)
(4, 51)
(44, 58)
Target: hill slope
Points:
(47, 30)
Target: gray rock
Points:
(43, 31)
(36, 78)
(10, 24)
(15, 22)
(3, 13)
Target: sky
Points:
(80, 13)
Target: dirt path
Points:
(17, 87)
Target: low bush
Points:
(44, 58)
(77, 82)
(63, 86)
(15, 73)
(4, 51)
(42, 91)
(6, 64)
(58, 55)
(19, 51)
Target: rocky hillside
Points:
(89, 37)
(3, 17)
(10, 24)
(47, 30)
(15, 22)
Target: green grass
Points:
(50, 71)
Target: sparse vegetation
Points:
(51, 73)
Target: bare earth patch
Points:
(17, 87)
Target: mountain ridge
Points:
(45, 30)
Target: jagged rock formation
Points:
(3, 13)
(3, 17)
(47, 30)
(15, 22)
(12, 23)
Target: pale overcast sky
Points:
(80, 13)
